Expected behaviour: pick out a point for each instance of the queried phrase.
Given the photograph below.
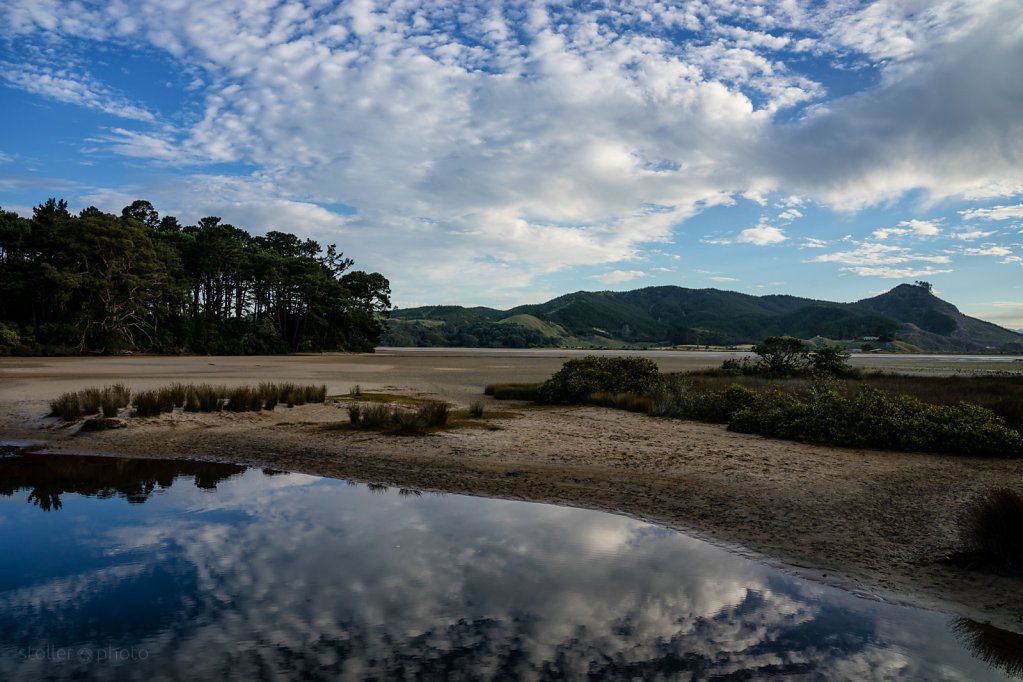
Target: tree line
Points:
(98, 282)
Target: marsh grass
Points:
(476, 409)
(66, 406)
(244, 399)
(74, 405)
(189, 397)
(993, 645)
(148, 404)
(399, 418)
(991, 527)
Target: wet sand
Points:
(877, 523)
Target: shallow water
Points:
(126, 569)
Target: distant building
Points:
(871, 338)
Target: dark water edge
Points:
(117, 568)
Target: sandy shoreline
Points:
(877, 523)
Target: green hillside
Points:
(908, 316)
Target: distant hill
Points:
(909, 317)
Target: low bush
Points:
(876, 419)
(512, 391)
(622, 401)
(992, 526)
(592, 374)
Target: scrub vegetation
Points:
(795, 393)
(187, 397)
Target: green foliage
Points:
(991, 526)
(782, 355)
(629, 402)
(831, 360)
(580, 377)
(512, 391)
(102, 282)
(476, 409)
(876, 419)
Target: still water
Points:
(119, 569)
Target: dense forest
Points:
(98, 282)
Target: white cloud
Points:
(894, 273)
(812, 243)
(873, 254)
(619, 276)
(971, 236)
(64, 86)
(995, 213)
(916, 228)
(535, 139)
(988, 251)
(723, 279)
(761, 235)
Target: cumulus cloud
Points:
(619, 276)
(874, 259)
(761, 235)
(995, 213)
(483, 142)
(988, 251)
(916, 228)
(65, 86)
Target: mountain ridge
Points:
(908, 317)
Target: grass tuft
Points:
(992, 527)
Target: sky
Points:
(502, 153)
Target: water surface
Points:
(119, 569)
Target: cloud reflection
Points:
(292, 576)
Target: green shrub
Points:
(992, 526)
(622, 401)
(876, 419)
(512, 391)
(354, 413)
(831, 360)
(581, 377)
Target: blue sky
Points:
(504, 153)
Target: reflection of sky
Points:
(288, 575)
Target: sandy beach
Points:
(880, 524)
